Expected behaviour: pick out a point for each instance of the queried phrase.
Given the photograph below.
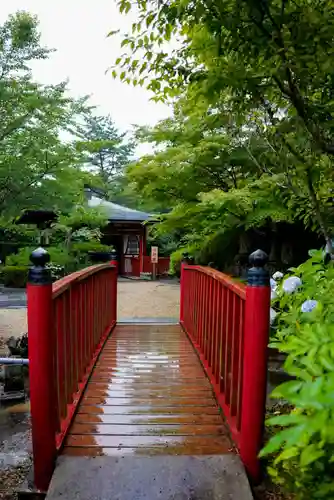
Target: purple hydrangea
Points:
(309, 305)
(273, 315)
(291, 284)
(273, 284)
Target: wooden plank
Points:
(148, 394)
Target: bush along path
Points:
(300, 448)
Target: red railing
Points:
(135, 266)
(162, 266)
(68, 324)
(228, 324)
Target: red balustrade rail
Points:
(162, 266)
(68, 323)
(228, 324)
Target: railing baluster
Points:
(235, 354)
(60, 354)
(217, 333)
(223, 338)
(212, 323)
(227, 359)
(240, 373)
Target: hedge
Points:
(14, 276)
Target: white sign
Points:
(154, 255)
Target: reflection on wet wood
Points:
(148, 395)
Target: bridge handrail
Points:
(68, 323)
(225, 279)
(64, 283)
(228, 324)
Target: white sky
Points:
(77, 29)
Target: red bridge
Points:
(103, 389)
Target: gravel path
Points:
(148, 299)
(136, 299)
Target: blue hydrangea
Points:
(309, 305)
(291, 284)
(273, 284)
(273, 315)
(278, 275)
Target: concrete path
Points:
(150, 478)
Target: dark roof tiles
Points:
(118, 212)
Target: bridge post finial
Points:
(258, 275)
(42, 375)
(39, 274)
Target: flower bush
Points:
(302, 445)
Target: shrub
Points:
(58, 256)
(177, 257)
(175, 262)
(15, 276)
(303, 444)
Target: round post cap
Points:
(39, 274)
(257, 274)
(259, 258)
(40, 257)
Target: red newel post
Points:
(114, 261)
(255, 362)
(41, 348)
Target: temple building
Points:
(126, 232)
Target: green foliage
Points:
(107, 152)
(177, 257)
(80, 249)
(81, 217)
(37, 168)
(175, 262)
(304, 442)
(14, 276)
(253, 108)
(58, 256)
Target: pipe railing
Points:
(228, 324)
(68, 323)
(14, 361)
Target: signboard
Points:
(154, 255)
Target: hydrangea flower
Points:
(278, 275)
(309, 305)
(273, 315)
(291, 284)
(273, 294)
(273, 284)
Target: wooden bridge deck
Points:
(148, 395)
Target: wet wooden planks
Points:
(148, 395)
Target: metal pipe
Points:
(14, 361)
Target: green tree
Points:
(270, 62)
(106, 149)
(37, 167)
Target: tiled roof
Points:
(118, 212)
